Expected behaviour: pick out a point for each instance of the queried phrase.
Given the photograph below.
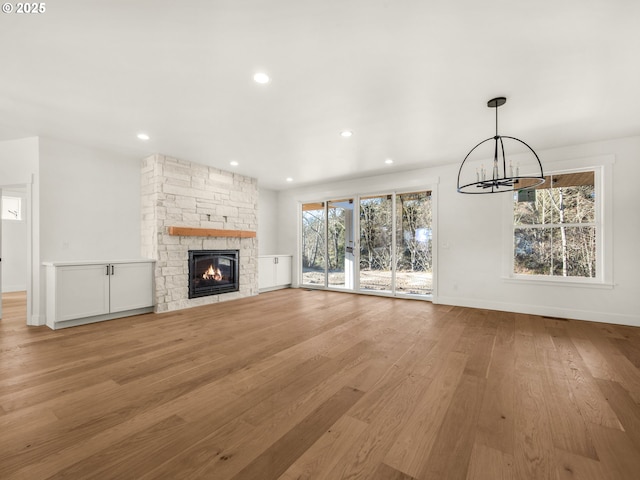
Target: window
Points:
(11, 208)
(556, 227)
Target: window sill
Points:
(563, 282)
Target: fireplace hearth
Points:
(213, 272)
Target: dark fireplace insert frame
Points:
(228, 263)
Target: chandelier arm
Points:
(465, 158)
(495, 174)
(532, 151)
(504, 160)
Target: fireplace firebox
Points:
(212, 272)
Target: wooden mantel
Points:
(210, 232)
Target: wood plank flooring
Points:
(297, 384)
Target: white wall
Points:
(267, 224)
(90, 203)
(471, 247)
(14, 246)
(18, 161)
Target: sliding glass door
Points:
(374, 243)
(313, 244)
(414, 254)
(376, 229)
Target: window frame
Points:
(603, 168)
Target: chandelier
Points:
(480, 174)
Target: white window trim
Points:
(603, 168)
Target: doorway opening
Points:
(14, 251)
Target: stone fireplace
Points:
(178, 193)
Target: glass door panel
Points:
(414, 254)
(376, 227)
(313, 244)
(340, 239)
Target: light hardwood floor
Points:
(298, 384)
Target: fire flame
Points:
(212, 273)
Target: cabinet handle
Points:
(107, 269)
(275, 260)
(111, 269)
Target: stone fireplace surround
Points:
(180, 193)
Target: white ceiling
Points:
(411, 78)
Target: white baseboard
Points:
(13, 288)
(543, 310)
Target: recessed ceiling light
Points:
(261, 77)
(346, 133)
(289, 179)
(233, 163)
(388, 161)
(143, 136)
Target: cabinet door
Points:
(283, 270)
(81, 291)
(266, 272)
(131, 286)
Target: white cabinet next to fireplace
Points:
(85, 292)
(274, 271)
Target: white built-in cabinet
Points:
(274, 271)
(85, 292)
